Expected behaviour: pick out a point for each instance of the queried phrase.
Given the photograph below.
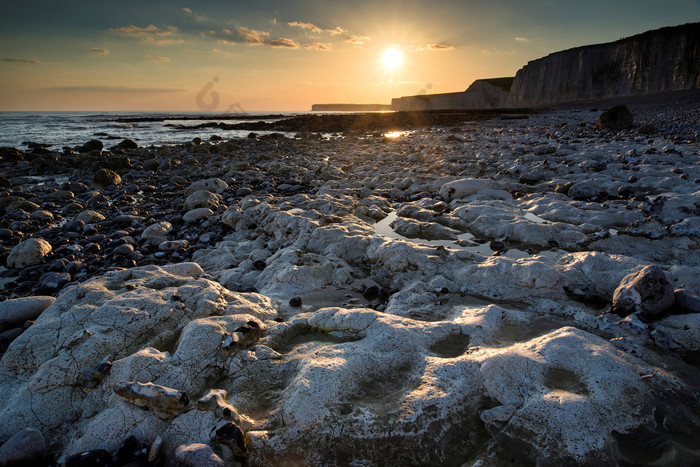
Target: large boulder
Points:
(215, 185)
(617, 118)
(464, 187)
(646, 292)
(202, 199)
(28, 253)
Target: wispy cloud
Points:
(253, 36)
(158, 58)
(19, 60)
(325, 46)
(151, 34)
(98, 51)
(521, 39)
(112, 89)
(311, 27)
(336, 31)
(284, 42)
(438, 46)
(357, 40)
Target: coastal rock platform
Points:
(512, 290)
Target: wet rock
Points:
(42, 216)
(617, 118)
(197, 455)
(23, 448)
(28, 253)
(127, 144)
(106, 177)
(646, 292)
(92, 145)
(54, 281)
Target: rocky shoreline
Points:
(474, 289)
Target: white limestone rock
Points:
(28, 253)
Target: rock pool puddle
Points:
(467, 241)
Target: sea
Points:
(71, 129)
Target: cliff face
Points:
(482, 94)
(666, 59)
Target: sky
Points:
(286, 55)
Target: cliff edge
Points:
(666, 59)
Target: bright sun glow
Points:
(392, 58)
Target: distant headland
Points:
(662, 60)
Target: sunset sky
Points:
(288, 54)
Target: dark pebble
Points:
(295, 301)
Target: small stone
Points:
(157, 230)
(124, 250)
(54, 281)
(295, 301)
(89, 217)
(197, 214)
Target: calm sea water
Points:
(72, 129)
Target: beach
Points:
(456, 288)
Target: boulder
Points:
(617, 118)
(582, 191)
(201, 199)
(197, 214)
(28, 253)
(106, 177)
(159, 229)
(19, 310)
(127, 144)
(23, 448)
(464, 187)
(215, 185)
(92, 145)
(646, 292)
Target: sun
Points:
(392, 58)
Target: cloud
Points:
(437, 46)
(298, 24)
(19, 60)
(357, 40)
(252, 36)
(336, 31)
(522, 39)
(318, 46)
(98, 51)
(113, 89)
(187, 10)
(159, 58)
(151, 34)
(283, 42)
(484, 51)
